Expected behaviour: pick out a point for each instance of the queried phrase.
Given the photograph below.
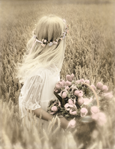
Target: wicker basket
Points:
(85, 119)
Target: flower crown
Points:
(44, 42)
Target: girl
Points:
(41, 66)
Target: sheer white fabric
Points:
(37, 91)
(33, 88)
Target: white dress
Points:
(37, 90)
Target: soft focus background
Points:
(90, 54)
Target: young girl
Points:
(41, 66)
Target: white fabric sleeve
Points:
(32, 87)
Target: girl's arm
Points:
(33, 89)
(46, 116)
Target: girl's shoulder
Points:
(37, 73)
(42, 72)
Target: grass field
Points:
(90, 54)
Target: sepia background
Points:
(90, 54)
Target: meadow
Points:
(90, 54)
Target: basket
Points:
(85, 119)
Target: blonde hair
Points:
(49, 27)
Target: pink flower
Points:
(93, 86)
(94, 116)
(54, 108)
(80, 101)
(68, 83)
(72, 75)
(67, 106)
(72, 123)
(78, 81)
(82, 81)
(76, 92)
(80, 94)
(58, 86)
(87, 101)
(67, 87)
(100, 118)
(108, 95)
(64, 95)
(99, 85)
(87, 81)
(73, 112)
(68, 77)
(104, 88)
(70, 101)
(83, 112)
(94, 109)
(56, 90)
(62, 82)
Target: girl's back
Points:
(37, 90)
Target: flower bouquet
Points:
(80, 99)
(89, 105)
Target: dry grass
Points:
(89, 54)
